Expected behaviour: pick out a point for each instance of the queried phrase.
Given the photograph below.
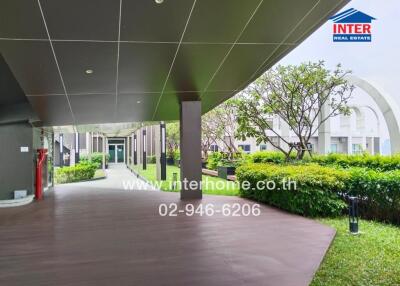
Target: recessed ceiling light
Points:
(88, 71)
(138, 101)
(159, 1)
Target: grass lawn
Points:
(210, 184)
(371, 258)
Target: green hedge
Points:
(79, 172)
(316, 192)
(151, 159)
(377, 162)
(216, 159)
(269, 157)
(379, 193)
(96, 158)
(321, 190)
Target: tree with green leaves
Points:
(297, 95)
(218, 127)
(172, 138)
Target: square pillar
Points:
(324, 130)
(160, 151)
(190, 148)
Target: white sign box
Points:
(24, 149)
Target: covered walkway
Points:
(96, 233)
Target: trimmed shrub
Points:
(96, 158)
(379, 193)
(315, 193)
(376, 162)
(151, 159)
(270, 157)
(79, 172)
(214, 160)
(217, 159)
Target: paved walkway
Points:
(118, 177)
(96, 233)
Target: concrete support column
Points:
(349, 145)
(190, 148)
(364, 143)
(324, 131)
(372, 146)
(285, 133)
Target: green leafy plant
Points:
(79, 172)
(316, 192)
(96, 158)
(378, 193)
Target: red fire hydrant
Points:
(39, 167)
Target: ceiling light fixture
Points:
(159, 1)
(88, 71)
(138, 101)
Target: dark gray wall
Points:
(16, 168)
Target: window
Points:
(214, 148)
(245, 147)
(263, 147)
(334, 148)
(357, 149)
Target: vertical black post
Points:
(144, 150)
(163, 157)
(53, 156)
(77, 146)
(190, 148)
(134, 149)
(61, 141)
(353, 215)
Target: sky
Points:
(377, 62)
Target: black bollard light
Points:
(353, 215)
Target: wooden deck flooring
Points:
(86, 235)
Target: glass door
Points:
(111, 152)
(120, 154)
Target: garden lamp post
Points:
(163, 157)
(77, 148)
(61, 141)
(353, 215)
(144, 150)
(134, 149)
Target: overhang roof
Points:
(145, 56)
